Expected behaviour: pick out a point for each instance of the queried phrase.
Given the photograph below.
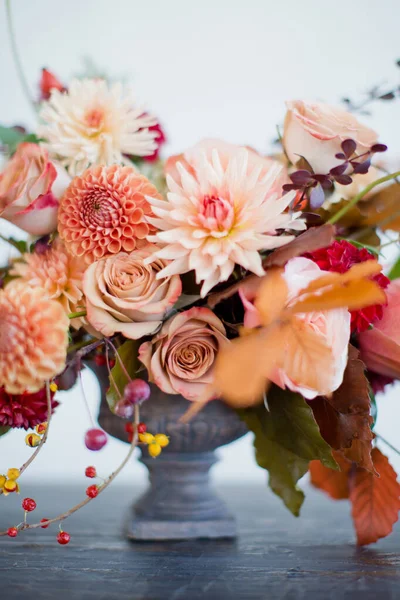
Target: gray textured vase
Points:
(179, 503)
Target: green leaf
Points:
(394, 272)
(287, 438)
(20, 245)
(128, 353)
(11, 138)
(4, 430)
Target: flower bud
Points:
(32, 440)
(13, 474)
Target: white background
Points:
(211, 68)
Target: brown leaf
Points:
(332, 482)
(243, 368)
(344, 418)
(272, 296)
(309, 241)
(383, 208)
(375, 500)
(303, 350)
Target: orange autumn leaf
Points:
(354, 295)
(271, 297)
(332, 482)
(368, 268)
(242, 369)
(309, 241)
(375, 500)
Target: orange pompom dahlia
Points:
(33, 338)
(58, 272)
(104, 211)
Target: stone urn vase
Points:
(179, 502)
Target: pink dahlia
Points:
(339, 257)
(33, 338)
(58, 272)
(224, 206)
(24, 410)
(104, 211)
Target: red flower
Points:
(160, 139)
(48, 82)
(339, 257)
(24, 410)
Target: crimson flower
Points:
(24, 411)
(339, 257)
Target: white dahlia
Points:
(221, 211)
(94, 123)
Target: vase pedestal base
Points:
(180, 504)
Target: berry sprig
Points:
(312, 185)
(155, 443)
(63, 537)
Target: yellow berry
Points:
(53, 387)
(13, 474)
(11, 486)
(154, 449)
(41, 428)
(3, 479)
(32, 440)
(146, 438)
(162, 439)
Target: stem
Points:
(44, 438)
(129, 378)
(76, 315)
(387, 443)
(79, 345)
(336, 217)
(101, 488)
(16, 57)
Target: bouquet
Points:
(217, 273)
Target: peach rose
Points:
(180, 358)
(316, 131)
(333, 325)
(124, 296)
(380, 346)
(29, 189)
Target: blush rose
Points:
(180, 358)
(124, 296)
(315, 131)
(30, 186)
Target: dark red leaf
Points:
(349, 146)
(343, 179)
(379, 148)
(362, 168)
(340, 169)
(301, 177)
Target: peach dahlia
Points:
(33, 338)
(104, 211)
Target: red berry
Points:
(124, 409)
(28, 504)
(100, 360)
(95, 439)
(91, 472)
(142, 428)
(63, 538)
(129, 427)
(12, 532)
(137, 391)
(111, 362)
(92, 491)
(45, 523)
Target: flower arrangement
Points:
(219, 273)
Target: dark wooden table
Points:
(275, 555)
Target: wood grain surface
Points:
(275, 555)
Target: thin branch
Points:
(101, 487)
(16, 57)
(388, 444)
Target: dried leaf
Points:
(304, 349)
(344, 419)
(128, 353)
(382, 207)
(353, 295)
(332, 482)
(375, 500)
(242, 368)
(272, 296)
(309, 241)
